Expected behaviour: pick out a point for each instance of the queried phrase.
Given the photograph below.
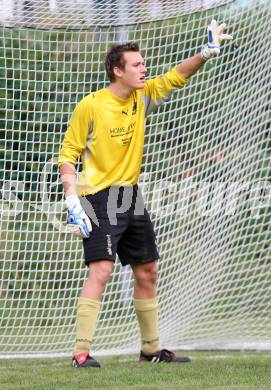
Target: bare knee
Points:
(100, 271)
(146, 274)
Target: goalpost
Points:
(205, 175)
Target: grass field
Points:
(209, 370)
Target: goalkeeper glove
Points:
(78, 222)
(215, 37)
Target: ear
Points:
(117, 71)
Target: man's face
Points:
(133, 75)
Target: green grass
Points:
(209, 370)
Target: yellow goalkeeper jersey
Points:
(108, 133)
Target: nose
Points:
(143, 69)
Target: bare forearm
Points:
(68, 178)
(191, 65)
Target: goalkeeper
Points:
(107, 131)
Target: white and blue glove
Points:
(78, 222)
(215, 37)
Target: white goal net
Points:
(205, 175)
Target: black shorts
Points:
(120, 225)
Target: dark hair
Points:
(115, 57)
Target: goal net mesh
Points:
(205, 175)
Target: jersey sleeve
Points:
(158, 90)
(75, 139)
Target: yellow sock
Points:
(147, 315)
(87, 313)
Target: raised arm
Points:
(191, 65)
(216, 35)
